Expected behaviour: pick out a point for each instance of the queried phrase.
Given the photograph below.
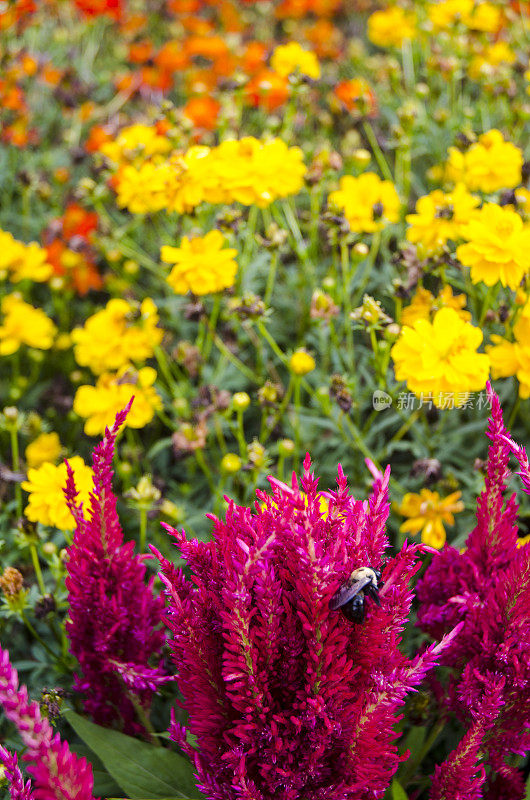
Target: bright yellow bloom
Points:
(513, 358)
(424, 305)
(201, 265)
(289, 58)
(24, 324)
(427, 513)
(390, 28)
(440, 359)
(136, 142)
(193, 180)
(489, 164)
(446, 13)
(231, 463)
(117, 335)
(45, 486)
(99, 404)
(145, 189)
(23, 261)
(498, 246)
(491, 56)
(486, 17)
(46, 447)
(368, 202)
(301, 362)
(439, 218)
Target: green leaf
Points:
(398, 792)
(527, 795)
(141, 770)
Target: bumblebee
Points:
(351, 596)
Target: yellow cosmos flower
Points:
(24, 324)
(290, 58)
(45, 486)
(368, 202)
(424, 305)
(390, 28)
(99, 404)
(491, 56)
(45, 448)
(136, 142)
(117, 335)
(446, 13)
(427, 513)
(201, 265)
(498, 246)
(513, 358)
(439, 218)
(145, 189)
(489, 164)
(23, 261)
(440, 359)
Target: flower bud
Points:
(231, 463)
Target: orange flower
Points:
(171, 57)
(51, 75)
(267, 89)
(211, 47)
(156, 78)
(356, 95)
(254, 57)
(140, 52)
(202, 111)
(184, 6)
(325, 39)
(97, 136)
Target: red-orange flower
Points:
(357, 95)
(267, 90)
(202, 111)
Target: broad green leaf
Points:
(527, 795)
(413, 741)
(398, 792)
(141, 770)
(104, 784)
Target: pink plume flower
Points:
(487, 588)
(286, 698)
(57, 773)
(114, 623)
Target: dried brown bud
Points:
(11, 582)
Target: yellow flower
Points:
(144, 189)
(46, 447)
(440, 359)
(193, 180)
(99, 404)
(117, 335)
(485, 17)
(23, 261)
(301, 362)
(231, 463)
(489, 164)
(424, 305)
(135, 142)
(446, 13)
(368, 202)
(498, 247)
(24, 324)
(427, 513)
(491, 56)
(288, 58)
(390, 28)
(439, 218)
(45, 486)
(513, 358)
(202, 265)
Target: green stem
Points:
(143, 528)
(41, 641)
(199, 456)
(413, 763)
(297, 406)
(212, 325)
(16, 466)
(36, 567)
(271, 277)
(378, 153)
(346, 301)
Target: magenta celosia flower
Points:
(18, 789)
(487, 588)
(57, 773)
(114, 616)
(286, 698)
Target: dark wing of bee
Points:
(347, 591)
